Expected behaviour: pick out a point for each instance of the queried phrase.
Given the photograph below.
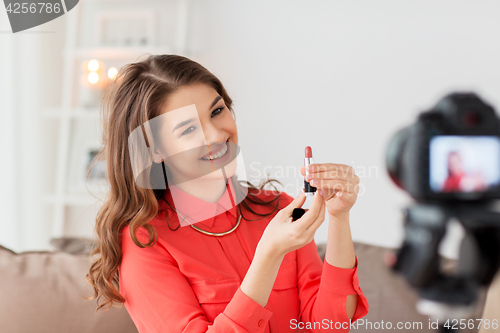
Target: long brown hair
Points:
(135, 96)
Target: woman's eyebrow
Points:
(215, 101)
(182, 124)
(192, 119)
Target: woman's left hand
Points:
(338, 184)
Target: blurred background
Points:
(340, 76)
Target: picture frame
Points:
(96, 181)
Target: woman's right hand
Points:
(282, 235)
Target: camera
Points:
(449, 162)
(451, 153)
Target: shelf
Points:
(83, 199)
(77, 113)
(114, 52)
(71, 117)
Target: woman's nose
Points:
(213, 135)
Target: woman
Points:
(455, 173)
(458, 179)
(247, 269)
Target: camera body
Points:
(452, 152)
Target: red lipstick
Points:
(309, 152)
(308, 189)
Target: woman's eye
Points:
(215, 113)
(188, 130)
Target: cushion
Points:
(73, 245)
(43, 291)
(389, 296)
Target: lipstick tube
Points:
(308, 189)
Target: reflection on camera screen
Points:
(464, 163)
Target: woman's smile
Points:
(217, 152)
(221, 155)
(217, 155)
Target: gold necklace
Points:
(208, 232)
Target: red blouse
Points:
(452, 183)
(189, 281)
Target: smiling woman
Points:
(186, 145)
(249, 269)
(141, 92)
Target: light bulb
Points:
(93, 65)
(93, 77)
(112, 72)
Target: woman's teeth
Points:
(218, 155)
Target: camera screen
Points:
(464, 163)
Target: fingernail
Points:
(320, 192)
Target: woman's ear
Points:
(157, 156)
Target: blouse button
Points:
(219, 207)
(261, 323)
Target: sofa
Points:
(43, 291)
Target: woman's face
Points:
(454, 164)
(194, 122)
